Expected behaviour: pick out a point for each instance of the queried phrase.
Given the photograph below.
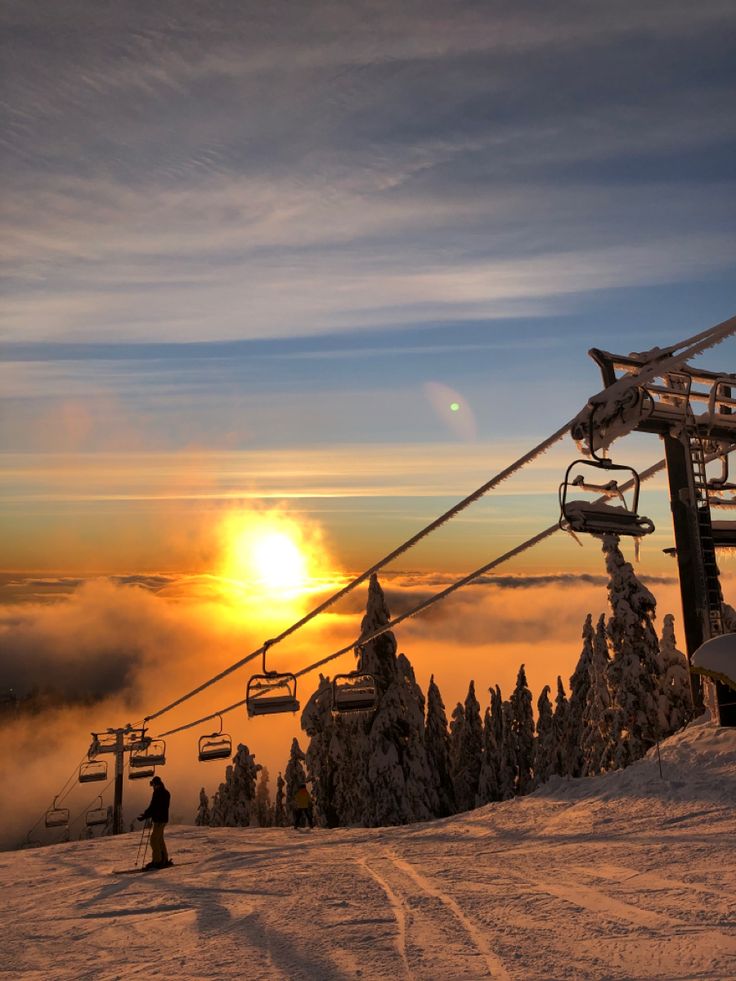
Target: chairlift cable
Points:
(64, 792)
(404, 547)
(458, 584)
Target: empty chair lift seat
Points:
(599, 518)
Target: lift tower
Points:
(669, 405)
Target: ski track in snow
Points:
(621, 877)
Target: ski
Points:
(135, 871)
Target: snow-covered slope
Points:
(622, 876)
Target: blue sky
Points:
(286, 228)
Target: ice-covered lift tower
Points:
(694, 413)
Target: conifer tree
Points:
(279, 809)
(633, 672)
(457, 723)
(676, 692)
(509, 763)
(579, 683)
(295, 773)
(469, 753)
(318, 723)
(233, 803)
(522, 729)
(545, 744)
(263, 806)
(203, 811)
(437, 742)
(488, 782)
(560, 724)
(598, 720)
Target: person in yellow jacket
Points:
(302, 805)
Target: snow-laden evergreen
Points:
(545, 744)
(633, 673)
(579, 683)
(468, 752)
(437, 743)
(372, 768)
(560, 723)
(677, 697)
(295, 773)
(203, 811)
(522, 729)
(263, 806)
(279, 807)
(489, 788)
(596, 742)
(233, 804)
(509, 764)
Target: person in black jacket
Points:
(158, 812)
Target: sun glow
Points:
(271, 555)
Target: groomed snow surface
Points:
(626, 875)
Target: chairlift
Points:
(93, 771)
(141, 773)
(600, 517)
(355, 691)
(148, 752)
(31, 842)
(271, 691)
(216, 746)
(96, 816)
(57, 817)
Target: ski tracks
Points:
(427, 919)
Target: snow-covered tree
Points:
(318, 723)
(279, 808)
(560, 724)
(263, 806)
(468, 753)
(203, 811)
(488, 781)
(509, 764)
(295, 773)
(545, 744)
(522, 729)
(676, 692)
(598, 720)
(437, 742)
(633, 672)
(372, 769)
(232, 805)
(579, 683)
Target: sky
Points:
(252, 254)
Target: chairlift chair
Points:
(271, 692)
(153, 753)
(141, 773)
(599, 517)
(57, 817)
(355, 691)
(93, 771)
(96, 816)
(216, 746)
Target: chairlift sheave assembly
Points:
(93, 771)
(215, 746)
(355, 691)
(96, 815)
(599, 517)
(271, 692)
(57, 817)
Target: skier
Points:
(158, 812)
(302, 807)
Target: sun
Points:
(278, 562)
(269, 554)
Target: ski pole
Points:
(141, 845)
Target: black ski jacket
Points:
(158, 809)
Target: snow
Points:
(625, 875)
(716, 658)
